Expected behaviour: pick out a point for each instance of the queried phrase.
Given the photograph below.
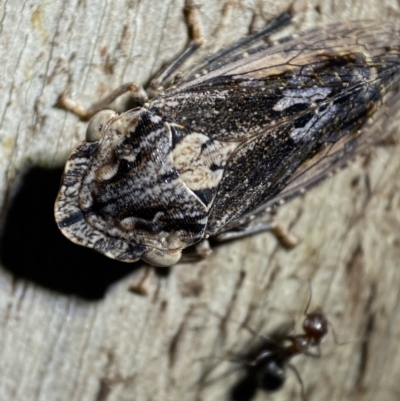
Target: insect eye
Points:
(159, 258)
(94, 131)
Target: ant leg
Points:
(299, 379)
(335, 336)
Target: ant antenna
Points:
(309, 297)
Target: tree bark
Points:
(72, 329)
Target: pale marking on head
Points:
(114, 133)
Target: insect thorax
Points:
(127, 187)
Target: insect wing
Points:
(295, 110)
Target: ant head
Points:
(315, 325)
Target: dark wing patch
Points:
(299, 108)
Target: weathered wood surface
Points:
(70, 327)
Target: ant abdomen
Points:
(271, 376)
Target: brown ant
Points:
(266, 364)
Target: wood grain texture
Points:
(71, 329)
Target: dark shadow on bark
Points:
(32, 247)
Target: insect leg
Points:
(141, 288)
(196, 41)
(272, 26)
(197, 253)
(286, 239)
(203, 249)
(136, 90)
